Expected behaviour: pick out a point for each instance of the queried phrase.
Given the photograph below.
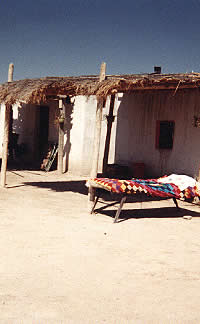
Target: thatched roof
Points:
(40, 90)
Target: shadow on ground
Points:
(164, 212)
(61, 186)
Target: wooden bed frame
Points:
(122, 201)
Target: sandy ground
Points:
(59, 264)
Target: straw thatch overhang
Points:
(36, 91)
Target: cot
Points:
(173, 186)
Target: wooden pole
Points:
(10, 72)
(102, 74)
(5, 146)
(110, 119)
(60, 138)
(6, 132)
(97, 140)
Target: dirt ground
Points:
(59, 264)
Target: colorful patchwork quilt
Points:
(185, 187)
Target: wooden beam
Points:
(10, 72)
(6, 132)
(102, 74)
(5, 146)
(60, 138)
(97, 140)
(97, 137)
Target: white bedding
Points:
(180, 180)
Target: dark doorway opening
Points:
(42, 133)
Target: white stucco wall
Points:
(133, 131)
(24, 125)
(82, 135)
(136, 131)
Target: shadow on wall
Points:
(28, 125)
(136, 134)
(32, 144)
(158, 130)
(129, 143)
(69, 107)
(135, 144)
(18, 117)
(122, 132)
(17, 147)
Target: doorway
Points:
(41, 132)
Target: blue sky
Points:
(73, 37)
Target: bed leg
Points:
(175, 201)
(119, 209)
(94, 205)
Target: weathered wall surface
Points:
(82, 134)
(136, 131)
(25, 124)
(81, 129)
(133, 137)
(24, 118)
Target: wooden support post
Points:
(10, 72)
(102, 74)
(60, 138)
(6, 132)
(110, 120)
(97, 140)
(5, 146)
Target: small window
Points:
(164, 134)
